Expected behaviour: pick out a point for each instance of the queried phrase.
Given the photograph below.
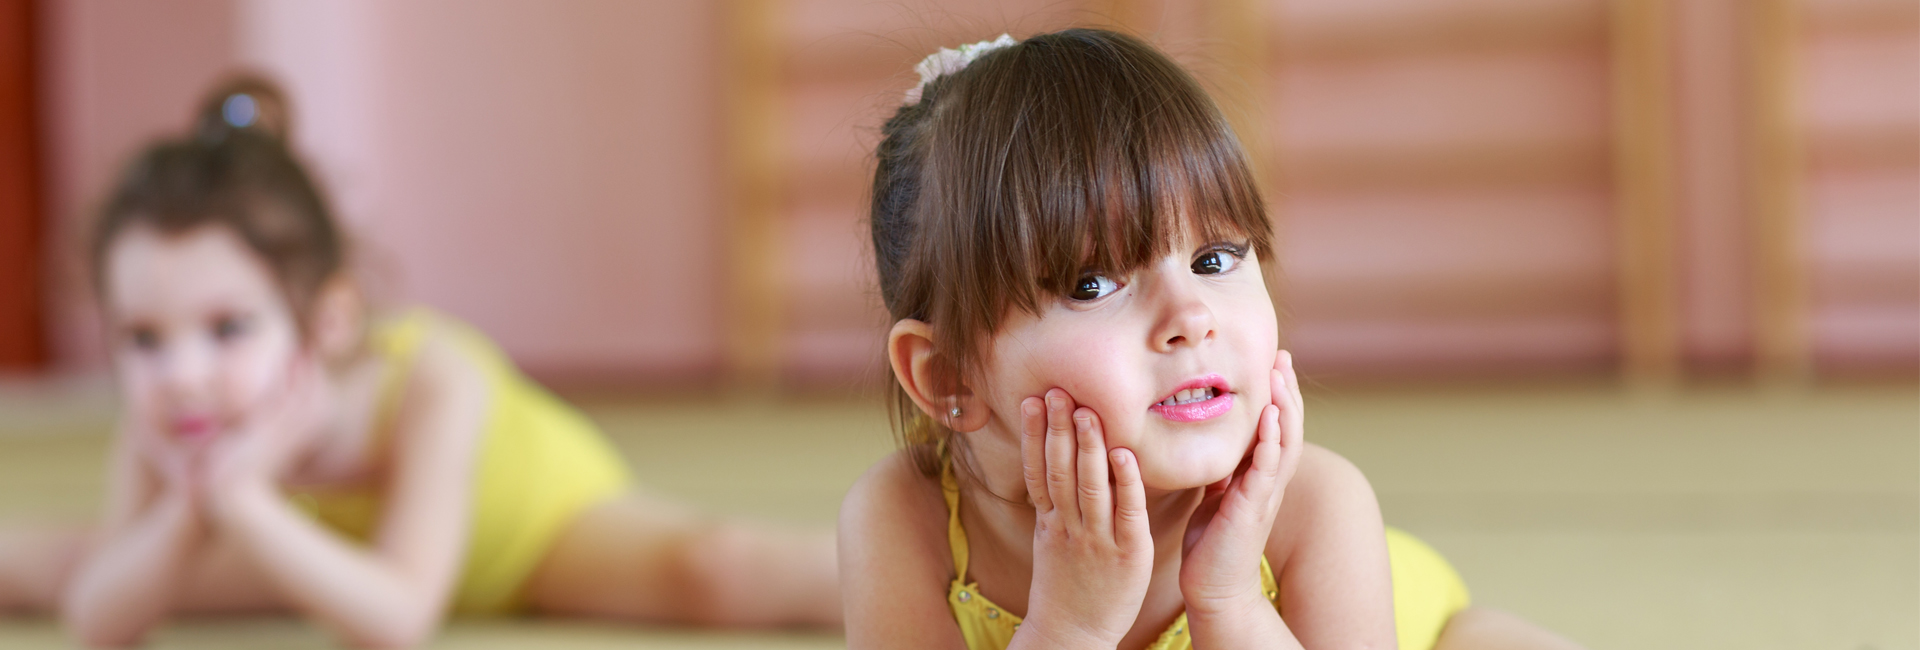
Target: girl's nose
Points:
(187, 369)
(1185, 318)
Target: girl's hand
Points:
(170, 464)
(1092, 552)
(258, 454)
(1220, 565)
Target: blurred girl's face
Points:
(199, 331)
(1175, 359)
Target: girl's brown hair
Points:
(234, 171)
(1078, 150)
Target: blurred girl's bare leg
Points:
(648, 558)
(1481, 628)
(35, 564)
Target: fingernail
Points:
(1118, 458)
(1082, 423)
(1030, 407)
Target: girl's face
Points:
(199, 331)
(1175, 359)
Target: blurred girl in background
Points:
(281, 449)
(1104, 446)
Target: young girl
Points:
(1103, 445)
(278, 453)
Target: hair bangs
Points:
(1091, 156)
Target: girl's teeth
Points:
(1189, 396)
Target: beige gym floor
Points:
(1727, 518)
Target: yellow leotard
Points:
(540, 464)
(1426, 591)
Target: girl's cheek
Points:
(140, 387)
(254, 370)
(1096, 373)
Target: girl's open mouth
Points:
(194, 428)
(1199, 399)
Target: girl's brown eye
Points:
(1092, 287)
(1214, 263)
(228, 328)
(144, 339)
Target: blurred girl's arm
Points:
(152, 527)
(395, 594)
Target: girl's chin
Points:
(1188, 473)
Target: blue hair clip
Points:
(240, 110)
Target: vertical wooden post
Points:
(751, 184)
(1123, 15)
(1241, 29)
(22, 340)
(1783, 352)
(1240, 26)
(1641, 52)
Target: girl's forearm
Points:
(126, 585)
(1254, 623)
(363, 599)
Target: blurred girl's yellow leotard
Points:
(540, 464)
(1426, 591)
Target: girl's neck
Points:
(342, 445)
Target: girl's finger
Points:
(1033, 452)
(1262, 479)
(1129, 502)
(1292, 382)
(1292, 421)
(1061, 484)
(1096, 504)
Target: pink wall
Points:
(1442, 187)
(544, 171)
(1860, 94)
(117, 74)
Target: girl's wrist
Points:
(240, 497)
(1247, 605)
(1038, 634)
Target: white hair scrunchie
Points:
(948, 61)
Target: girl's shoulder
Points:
(1328, 497)
(895, 494)
(897, 511)
(894, 559)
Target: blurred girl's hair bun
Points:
(244, 103)
(233, 170)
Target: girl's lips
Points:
(1197, 411)
(193, 427)
(1220, 403)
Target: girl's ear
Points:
(338, 318)
(931, 380)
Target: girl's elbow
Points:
(410, 630)
(100, 631)
(395, 639)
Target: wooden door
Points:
(21, 344)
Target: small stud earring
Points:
(953, 412)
